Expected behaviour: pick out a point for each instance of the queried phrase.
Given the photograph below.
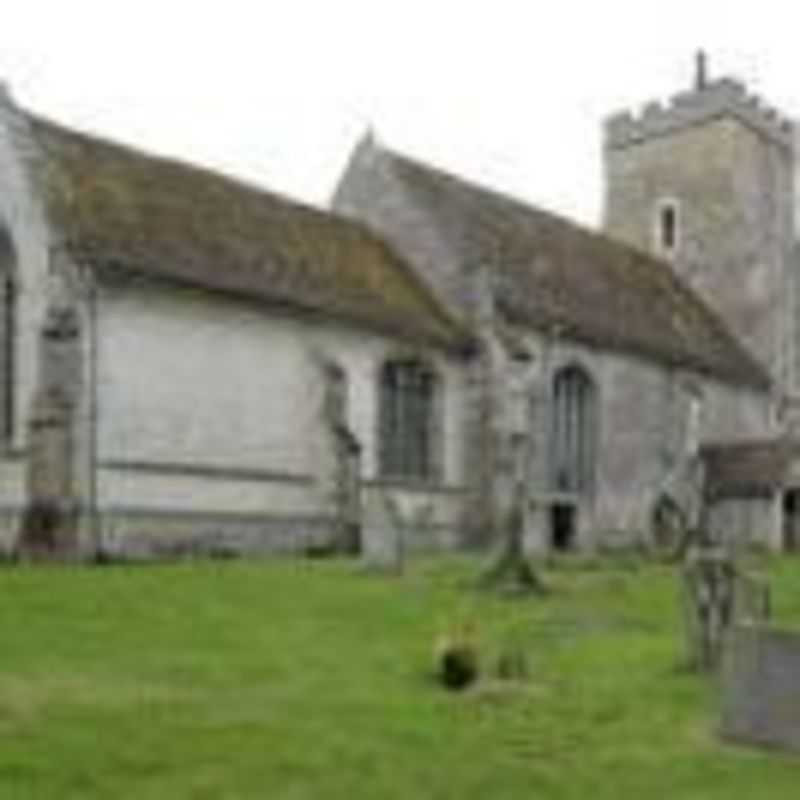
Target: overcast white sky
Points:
(508, 93)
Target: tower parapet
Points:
(716, 99)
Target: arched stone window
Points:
(407, 432)
(8, 324)
(573, 432)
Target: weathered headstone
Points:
(708, 581)
(761, 687)
(383, 538)
(717, 594)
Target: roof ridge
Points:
(176, 162)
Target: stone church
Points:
(193, 365)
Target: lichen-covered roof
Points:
(120, 208)
(556, 276)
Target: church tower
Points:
(706, 183)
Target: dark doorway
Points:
(791, 520)
(562, 526)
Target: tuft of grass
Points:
(309, 679)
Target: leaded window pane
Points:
(573, 432)
(406, 420)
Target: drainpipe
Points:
(93, 414)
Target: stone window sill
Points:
(414, 485)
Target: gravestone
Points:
(761, 687)
(382, 549)
(383, 539)
(718, 594)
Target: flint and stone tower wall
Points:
(706, 182)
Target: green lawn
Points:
(298, 679)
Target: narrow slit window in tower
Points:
(667, 227)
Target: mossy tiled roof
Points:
(118, 207)
(556, 276)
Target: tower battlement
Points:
(723, 97)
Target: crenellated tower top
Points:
(707, 100)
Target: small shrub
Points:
(458, 666)
(457, 660)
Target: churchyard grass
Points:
(313, 680)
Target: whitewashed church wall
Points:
(184, 379)
(214, 406)
(153, 490)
